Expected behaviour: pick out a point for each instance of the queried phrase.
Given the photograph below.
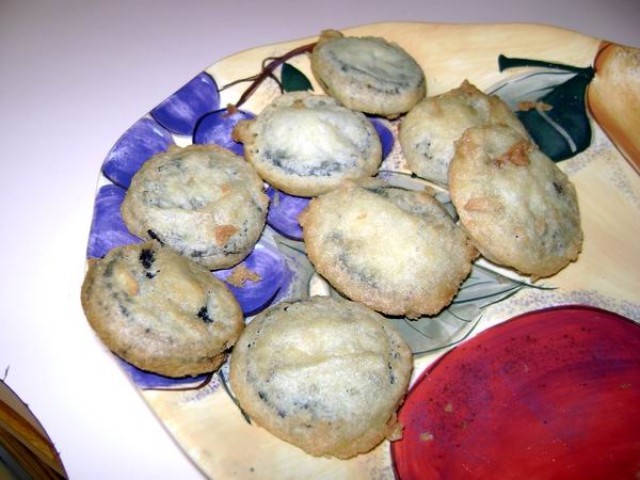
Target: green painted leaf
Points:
(565, 130)
(293, 80)
(504, 63)
(556, 114)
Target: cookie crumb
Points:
(224, 232)
(518, 155)
(241, 275)
(527, 105)
(426, 437)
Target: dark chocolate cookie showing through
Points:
(429, 131)
(324, 374)
(519, 208)
(203, 201)
(305, 144)
(397, 251)
(368, 74)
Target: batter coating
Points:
(160, 311)
(306, 144)
(429, 131)
(202, 201)
(368, 74)
(324, 374)
(519, 208)
(397, 251)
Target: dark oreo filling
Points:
(265, 398)
(147, 258)
(302, 404)
(558, 188)
(395, 87)
(203, 314)
(153, 235)
(344, 261)
(326, 168)
(362, 275)
(424, 147)
(173, 163)
(392, 376)
(121, 300)
(382, 191)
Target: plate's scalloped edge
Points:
(370, 28)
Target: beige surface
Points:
(209, 426)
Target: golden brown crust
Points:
(368, 74)
(394, 250)
(305, 144)
(159, 311)
(203, 201)
(519, 208)
(429, 131)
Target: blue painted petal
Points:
(216, 128)
(180, 112)
(563, 128)
(107, 227)
(270, 266)
(148, 380)
(283, 213)
(144, 139)
(385, 134)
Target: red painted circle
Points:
(550, 394)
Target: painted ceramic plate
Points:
(550, 394)
(580, 100)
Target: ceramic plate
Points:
(580, 100)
